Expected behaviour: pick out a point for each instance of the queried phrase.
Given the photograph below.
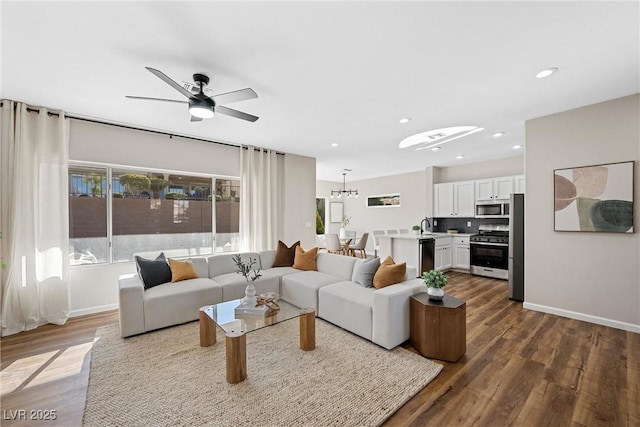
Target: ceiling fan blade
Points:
(235, 113)
(156, 99)
(162, 76)
(235, 96)
(196, 119)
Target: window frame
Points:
(109, 196)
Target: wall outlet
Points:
(468, 223)
(308, 224)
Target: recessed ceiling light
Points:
(517, 147)
(335, 144)
(435, 148)
(435, 137)
(459, 156)
(546, 72)
(498, 134)
(405, 120)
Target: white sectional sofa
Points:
(379, 315)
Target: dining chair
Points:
(360, 246)
(376, 241)
(392, 231)
(403, 231)
(332, 243)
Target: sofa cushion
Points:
(233, 284)
(389, 273)
(182, 270)
(364, 271)
(174, 303)
(301, 288)
(336, 265)
(285, 255)
(349, 306)
(281, 271)
(223, 263)
(153, 272)
(306, 260)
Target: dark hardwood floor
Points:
(521, 368)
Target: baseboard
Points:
(584, 317)
(92, 310)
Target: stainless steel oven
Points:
(490, 252)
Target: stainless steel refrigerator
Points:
(516, 247)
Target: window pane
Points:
(159, 212)
(227, 215)
(87, 215)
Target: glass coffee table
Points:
(236, 327)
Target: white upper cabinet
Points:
(454, 199)
(443, 200)
(518, 184)
(494, 189)
(464, 201)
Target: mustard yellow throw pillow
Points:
(305, 260)
(389, 273)
(182, 270)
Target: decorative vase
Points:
(343, 233)
(250, 299)
(435, 293)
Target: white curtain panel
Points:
(258, 199)
(34, 217)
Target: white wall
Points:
(94, 142)
(583, 275)
(487, 169)
(413, 195)
(95, 288)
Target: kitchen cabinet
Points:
(454, 199)
(493, 189)
(518, 184)
(443, 259)
(461, 254)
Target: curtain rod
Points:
(170, 135)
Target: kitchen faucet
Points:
(422, 230)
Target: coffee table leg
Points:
(236, 349)
(308, 330)
(207, 329)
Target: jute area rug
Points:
(164, 378)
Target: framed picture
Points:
(336, 211)
(594, 198)
(384, 201)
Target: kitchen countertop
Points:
(413, 236)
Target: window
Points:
(150, 212)
(87, 215)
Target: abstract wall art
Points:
(384, 201)
(594, 198)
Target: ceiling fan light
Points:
(201, 111)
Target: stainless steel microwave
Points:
(492, 210)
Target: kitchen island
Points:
(438, 251)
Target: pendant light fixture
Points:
(339, 193)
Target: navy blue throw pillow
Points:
(153, 272)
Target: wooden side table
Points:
(438, 328)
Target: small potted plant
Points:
(416, 228)
(251, 274)
(343, 224)
(435, 281)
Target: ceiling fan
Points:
(202, 106)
